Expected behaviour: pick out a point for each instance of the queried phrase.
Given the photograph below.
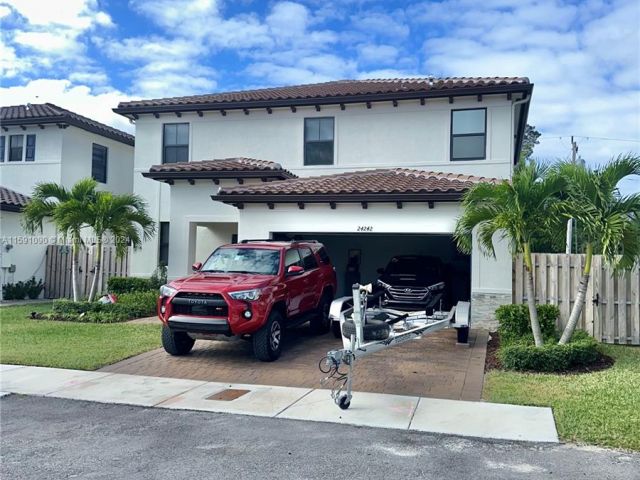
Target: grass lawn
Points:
(84, 346)
(601, 408)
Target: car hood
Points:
(221, 282)
(410, 280)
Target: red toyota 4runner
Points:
(255, 288)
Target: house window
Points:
(175, 141)
(318, 141)
(30, 151)
(469, 134)
(99, 163)
(2, 147)
(163, 251)
(15, 148)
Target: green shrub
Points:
(158, 277)
(138, 304)
(129, 306)
(551, 357)
(513, 321)
(119, 285)
(14, 291)
(33, 288)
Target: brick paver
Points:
(433, 366)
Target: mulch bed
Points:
(492, 362)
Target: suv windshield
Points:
(243, 260)
(402, 266)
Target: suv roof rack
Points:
(272, 240)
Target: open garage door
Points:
(357, 257)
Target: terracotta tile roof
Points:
(43, 113)
(337, 90)
(219, 168)
(369, 185)
(12, 201)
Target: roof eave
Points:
(7, 207)
(64, 119)
(210, 175)
(333, 100)
(246, 198)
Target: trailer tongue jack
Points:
(366, 330)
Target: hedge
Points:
(551, 357)
(513, 321)
(119, 285)
(129, 306)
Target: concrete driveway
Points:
(433, 366)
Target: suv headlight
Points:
(386, 286)
(167, 291)
(250, 295)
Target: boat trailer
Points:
(368, 329)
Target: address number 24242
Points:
(364, 228)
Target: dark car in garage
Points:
(412, 282)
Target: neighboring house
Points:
(224, 166)
(46, 143)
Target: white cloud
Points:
(585, 63)
(64, 43)
(77, 98)
(377, 54)
(385, 24)
(10, 64)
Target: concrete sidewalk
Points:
(474, 419)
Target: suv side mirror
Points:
(380, 270)
(196, 266)
(294, 270)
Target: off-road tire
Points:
(264, 345)
(372, 330)
(176, 343)
(320, 323)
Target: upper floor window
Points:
(30, 151)
(15, 148)
(469, 134)
(318, 141)
(175, 142)
(3, 139)
(99, 163)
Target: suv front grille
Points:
(200, 304)
(408, 294)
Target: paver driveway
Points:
(433, 366)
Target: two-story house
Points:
(372, 168)
(47, 143)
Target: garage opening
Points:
(357, 257)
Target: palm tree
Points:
(125, 217)
(517, 210)
(610, 222)
(68, 210)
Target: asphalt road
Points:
(45, 438)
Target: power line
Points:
(543, 137)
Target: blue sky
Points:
(87, 55)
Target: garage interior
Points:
(374, 250)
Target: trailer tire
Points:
(372, 330)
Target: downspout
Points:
(518, 140)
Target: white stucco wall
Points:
(64, 156)
(27, 252)
(23, 176)
(410, 135)
(77, 148)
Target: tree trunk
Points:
(578, 305)
(97, 271)
(531, 298)
(74, 268)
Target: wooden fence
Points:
(57, 280)
(612, 307)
